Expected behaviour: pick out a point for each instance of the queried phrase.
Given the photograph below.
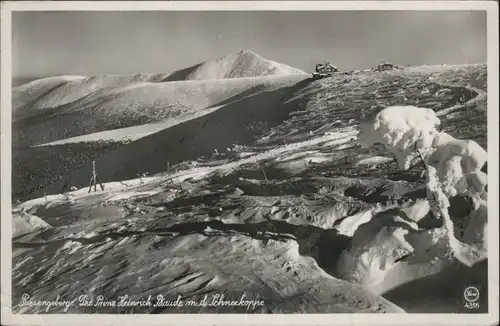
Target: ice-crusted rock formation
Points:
(453, 167)
(24, 223)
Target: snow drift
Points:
(375, 248)
(24, 223)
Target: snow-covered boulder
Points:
(24, 223)
(375, 247)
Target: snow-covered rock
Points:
(24, 223)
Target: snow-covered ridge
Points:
(242, 64)
(132, 133)
(53, 92)
(129, 105)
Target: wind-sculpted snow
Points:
(453, 167)
(342, 100)
(375, 248)
(271, 196)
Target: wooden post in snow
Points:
(94, 179)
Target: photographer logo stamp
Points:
(471, 296)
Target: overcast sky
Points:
(92, 43)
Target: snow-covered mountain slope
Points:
(62, 92)
(348, 98)
(245, 63)
(264, 195)
(132, 104)
(53, 92)
(105, 126)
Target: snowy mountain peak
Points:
(245, 63)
